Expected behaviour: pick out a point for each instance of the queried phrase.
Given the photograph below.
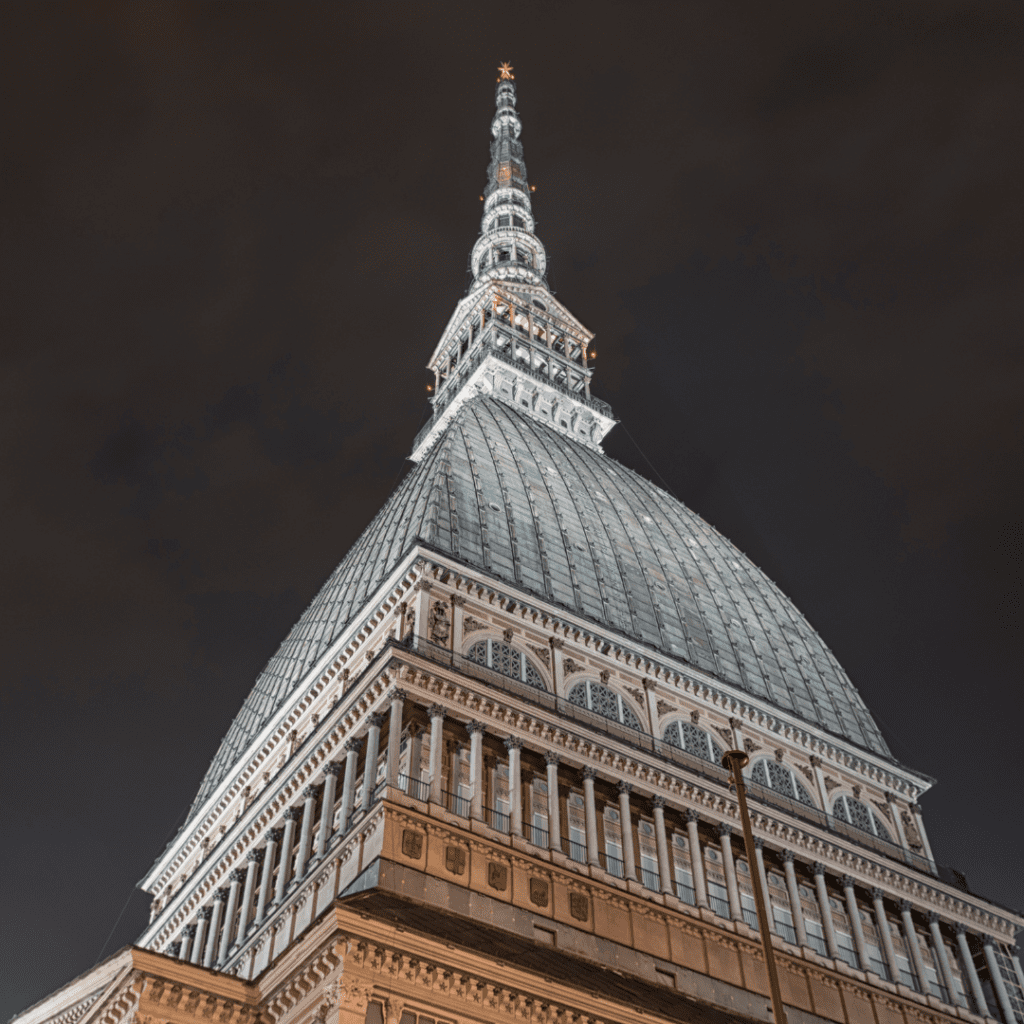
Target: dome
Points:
(509, 497)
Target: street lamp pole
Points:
(735, 760)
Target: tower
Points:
(481, 778)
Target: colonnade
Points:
(292, 850)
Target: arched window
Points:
(773, 775)
(854, 813)
(602, 701)
(503, 658)
(693, 740)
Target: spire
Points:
(507, 248)
(510, 337)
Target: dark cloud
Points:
(231, 235)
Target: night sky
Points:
(232, 234)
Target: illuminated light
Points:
(506, 71)
(533, 188)
(481, 199)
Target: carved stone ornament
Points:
(806, 771)
(664, 707)
(440, 627)
(412, 843)
(726, 734)
(539, 892)
(750, 746)
(910, 831)
(579, 906)
(605, 676)
(569, 666)
(883, 807)
(830, 783)
(497, 876)
(508, 634)
(455, 859)
(543, 653)
(637, 695)
(856, 791)
(471, 625)
(695, 717)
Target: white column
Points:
(794, 898)
(825, 909)
(700, 888)
(555, 643)
(1002, 996)
(853, 912)
(253, 860)
(626, 824)
(476, 770)
(437, 714)
(188, 936)
(910, 934)
(370, 764)
(331, 772)
(202, 923)
(554, 818)
(651, 699)
(306, 833)
(664, 862)
(762, 874)
(882, 925)
(919, 821)
(590, 810)
(211, 936)
(227, 932)
(515, 785)
(1015, 959)
(941, 955)
(967, 962)
(725, 837)
(291, 816)
(391, 774)
(348, 787)
(274, 838)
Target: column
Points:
(476, 770)
(882, 924)
(910, 933)
(664, 862)
(458, 621)
(348, 788)
(919, 821)
(967, 962)
(1015, 960)
(306, 833)
(174, 949)
(555, 643)
(254, 860)
(415, 758)
(211, 935)
(273, 841)
(1002, 996)
(794, 898)
(202, 923)
(421, 606)
(825, 909)
(626, 824)
(370, 765)
(819, 778)
(940, 954)
(291, 816)
(696, 858)
(188, 935)
(590, 809)
(227, 932)
(331, 772)
(853, 911)
(391, 774)
(554, 818)
(894, 808)
(515, 785)
(725, 837)
(437, 714)
(763, 875)
(651, 699)
(736, 724)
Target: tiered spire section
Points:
(510, 337)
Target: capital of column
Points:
(625, 787)
(589, 771)
(175, 948)
(458, 600)
(788, 857)
(758, 843)
(817, 868)
(551, 757)
(221, 895)
(190, 931)
(353, 745)
(959, 928)
(377, 719)
(293, 814)
(238, 875)
(436, 711)
(691, 814)
(256, 856)
(916, 808)
(736, 723)
(905, 906)
(649, 684)
(310, 792)
(275, 835)
(890, 796)
(333, 768)
(472, 727)
(396, 694)
(987, 940)
(423, 585)
(815, 761)
(877, 894)
(513, 743)
(205, 913)
(847, 882)
(724, 829)
(932, 918)
(556, 642)
(658, 801)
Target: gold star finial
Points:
(506, 71)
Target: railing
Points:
(416, 788)
(613, 865)
(750, 917)
(651, 879)
(686, 893)
(539, 836)
(816, 942)
(458, 805)
(878, 965)
(720, 906)
(849, 956)
(498, 820)
(785, 931)
(576, 851)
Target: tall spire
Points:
(510, 337)
(507, 248)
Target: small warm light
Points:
(430, 387)
(533, 188)
(481, 199)
(593, 355)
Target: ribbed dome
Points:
(508, 496)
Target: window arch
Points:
(506, 660)
(853, 812)
(602, 701)
(782, 779)
(694, 741)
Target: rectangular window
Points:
(539, 813)
(613, 843)
(784, 923)
(577, 828)
(718, 899)
(816, 936)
